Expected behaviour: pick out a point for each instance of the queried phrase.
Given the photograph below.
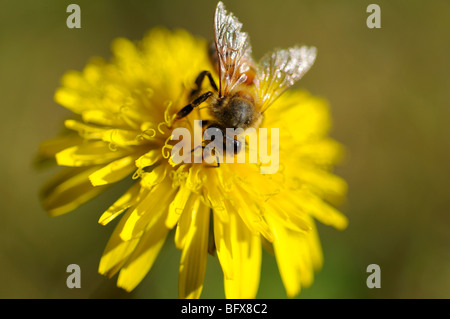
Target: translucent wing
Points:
(233, 50)
(279, 70)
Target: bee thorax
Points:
(234, 113)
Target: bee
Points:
(246, 89)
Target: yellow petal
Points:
(322, 180)
(287, 213)
(250, 178)
(321, 152)
(214, 193)
(128, 58)
(287, 251)
(286, 207)
(251, 215)
(324, 212)
(177, 206)
(304, 117)
(222, 242)
(68, 98)
(194, 255)
(113, 172)
(78, 86)
(315, 248)
(50, 147)
(156, 176)
(125, 201)
(102, 117)
(195, 178)
(86, 131)
(144, 255)
(298, 255)
(115, 137)
(117, 251)
(123, 137)
(245, 248)
(148, 159)
(184, 225)
(89, 153)
(68, 190)
(144, 215)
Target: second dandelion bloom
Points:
(127, 110)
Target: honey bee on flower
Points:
(245, 89)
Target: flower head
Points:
(126, 111)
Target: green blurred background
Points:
(389, 95)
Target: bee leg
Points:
(203, 146)
(217, 161)
(217, 157)
(199, 80)
(185, 111)
(197, 147)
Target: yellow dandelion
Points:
(127, 111)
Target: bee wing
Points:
(279, 70)
(233, 50)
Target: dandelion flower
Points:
(125, 110)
